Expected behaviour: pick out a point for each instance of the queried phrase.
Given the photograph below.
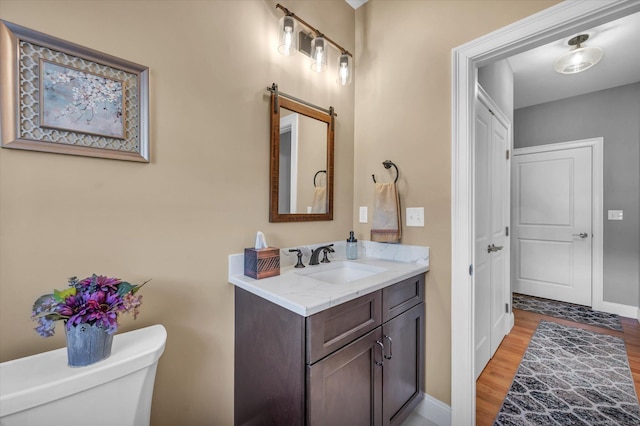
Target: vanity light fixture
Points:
(318, 51)
(580, 58)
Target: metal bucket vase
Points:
(87, 344)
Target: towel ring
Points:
(316, 175)
(387, 165)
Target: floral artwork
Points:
(94, 300)
(80, 101)
(64, 98)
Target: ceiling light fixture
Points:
(580, 58)
(318, 49)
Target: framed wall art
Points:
(57, 96)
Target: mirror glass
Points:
(301, 162)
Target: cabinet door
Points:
(345, 388)
(403, 373)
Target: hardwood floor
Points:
(495, 380)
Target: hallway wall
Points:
(615, 115)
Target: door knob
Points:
(581, 235)
(493, 248)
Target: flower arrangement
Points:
(94, 300)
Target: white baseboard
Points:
(619, 309)
(434, 410)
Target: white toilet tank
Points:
(42, 390)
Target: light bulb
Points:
(287, 39)
(319, 57)
(577, 59)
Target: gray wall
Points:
(613, 114)
(497, 80)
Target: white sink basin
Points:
(340, 272)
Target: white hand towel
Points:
(386, 226)
(319, 204)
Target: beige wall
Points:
(205, 192)
(203, 196)
(403, 114)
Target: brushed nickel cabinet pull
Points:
(379, 343)
(390, 347)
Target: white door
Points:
(552, 224)
(491, 243)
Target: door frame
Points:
(597, 206)
(289, 123)
(562, 20)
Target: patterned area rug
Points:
(570, 376)
(577, 313)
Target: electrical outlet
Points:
(614, 214)
(363, 214)
(415, 216)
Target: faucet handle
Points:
(299, 264)
(326, 251)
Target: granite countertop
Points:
(295, 290)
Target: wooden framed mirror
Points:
(302, 153)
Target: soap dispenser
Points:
(352, 247)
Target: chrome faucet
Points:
(316, 252)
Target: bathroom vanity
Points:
(309, 351)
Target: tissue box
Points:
(262, 263)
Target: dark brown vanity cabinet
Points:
(358, 363)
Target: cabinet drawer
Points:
(335, 327)
(404, 295)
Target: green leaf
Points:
(53, 316)
(125, 288)
(60, 296)
(136, 288)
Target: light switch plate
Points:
(415, 216)
(614, 214)
(363, 214)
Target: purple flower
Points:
(42, 312)
(103, 309)
(46, 327)
(94, 308)
(101, 282)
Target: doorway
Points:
(561, 20)
(557, 221)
